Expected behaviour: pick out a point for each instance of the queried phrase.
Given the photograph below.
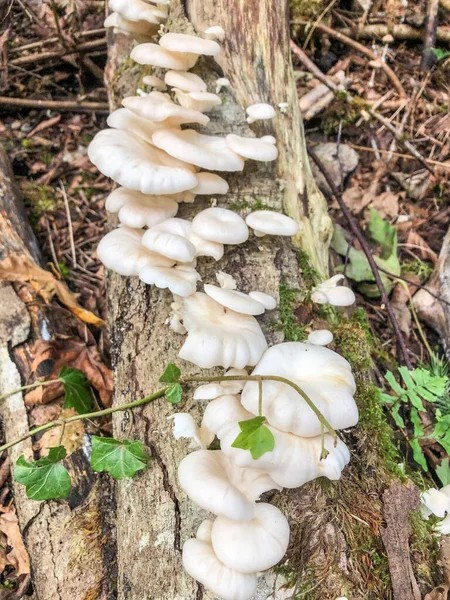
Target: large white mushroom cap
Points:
(268, 222)
(140, 210)
(136, 165)
(217, 485)
(201, 101)
(121, 250)
(124, 119)
(155, 82)
(156, 107)
(170, 238)
(222, 414)
(254, 148)
(180, 42)
(234, 300)
(254, 545)
(206, 151)
(219, 337)
(294, 460)
(181, 279)
(325, 376)
(189, 82)
(259, 111)
(137, 10)
(220, 225)
(201, 562)
(143, 30)
(155, 55)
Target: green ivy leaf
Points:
(120, 459)
(255, 437)
(439, 53)
(174, 393)
(77, 390)
(443, 471)
(171, 374)
(46, 478)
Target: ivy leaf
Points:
(171, 374)
(254, 436)
(443, 471)
(120, 459)
(46, 478)
(174, 393)
(384, 233)
(77, 390)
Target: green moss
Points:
(39, 199)
(310, 275)
(251, 204)
(306, 9)
(27, 144)
(289, 301)
(417, 267)
(342, 111)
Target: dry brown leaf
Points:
(386, 204)
(72, 438)
(420, 246)
(399, 304)
(18, 555)
(439, 593)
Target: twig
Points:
(428, 55)
(413, 283)
(45, 56)
(22, 589)
(317, 21)
(69, 224)
(71, 105)
(5, 470)
(365, 247)
(52, 247)
(399, 32)
(398, 154)
(360, 48)
(28, 387)
(54, 40)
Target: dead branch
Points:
(398, 32)
(54, 40)
(44, 56)
(428, 55)
(72, 105)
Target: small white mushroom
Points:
(184, 426)
(201, 101)
(137, 10)
(328, 292)
(254, 148)
(182, 43)
(154, 82)
(283, 106)
(254, 545)
(189, 82)
(210, 183)
(215, 32)
(220, 225)
(156, 56)
(267, 222)
(181, 279)
(141, 30)
(176, 325)
(205, 151)
(260, 111)
(156, 107)
(140, 210)
(320, 337)
(222, 82)
(266, 300)
(226, 281)
(234, 300)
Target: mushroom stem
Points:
(261, 378)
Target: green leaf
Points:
(396, 415)
(46, 478)
(384, 233)
(415, 420)
(255, 437)
(171, 374)
(120, 459)
(443, 471)
(77, 390)
(420, 384)
(418, 455)
(439, 53)
(441, 431)
(174, 393)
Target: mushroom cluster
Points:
(159, 162)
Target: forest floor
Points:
(392, 170)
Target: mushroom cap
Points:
(163, 110)
(337, 296)
(180, 42)
(234, 300)
(181, 280)
(226, 281)
(184, 426)
(121, 250)
(189, 82)
(218, 337)
(325, 376)
(170, 238)
(155, 82)
(436, 502)
(215, 32)
(136, 28)
(254, 148)
(269, 139)
(155, 55)
(215, 484)
(220, 225)
(260, 111)
(254, 545)
(443, 527)
(320, 337)
(266, 300)
(135, 165)
(136, 10)
(206, 151)
(201, 101)
(294, 460)
(212, 390)
(210, 183)
(222, 414)
(271, 222)
(139, 210)
(124, 119)
(201, 562)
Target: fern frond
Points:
(419, 384)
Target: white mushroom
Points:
(266, 300)
(215, 32)
(435, 502)
(320, 337)
(201, 562)
(269, 139)
(222, 413)
(176, 325)
(136, 165)
(234, 300)
(210, 183)
(180, 42)
(181, 279)
(219, 337)
(155, 55)
(189, 82)
(226, 281)
(254, 545)
(121, 250)
(141, 30)
(267, 222)
(137, 10)
(220, 225)
(325, 376)
(215, 484)
(154, 82)
(205, 151)
(329, 292)
(210, 391)
(124, 119)
(139, 210)
(201, 101)
(163, 110)
(184, 426)
(257, 112)
(253, 148)
(222, 82)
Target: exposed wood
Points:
(71, 105)
(428, 55)
(399, 32)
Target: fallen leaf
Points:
(420, 247)
(72, 438)
(439, 593)
(399, 304)
(18, 555)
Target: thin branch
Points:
(69, 225)
(417, 285)
(365, 247)
(33, 59)
(71, 105)
(428, 55)
(399, 32)
(28, 387)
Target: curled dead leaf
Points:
(18, 555)
(416, 242)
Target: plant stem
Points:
(28, 387)
(92, 415)
(261, 378)
(260, 397)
